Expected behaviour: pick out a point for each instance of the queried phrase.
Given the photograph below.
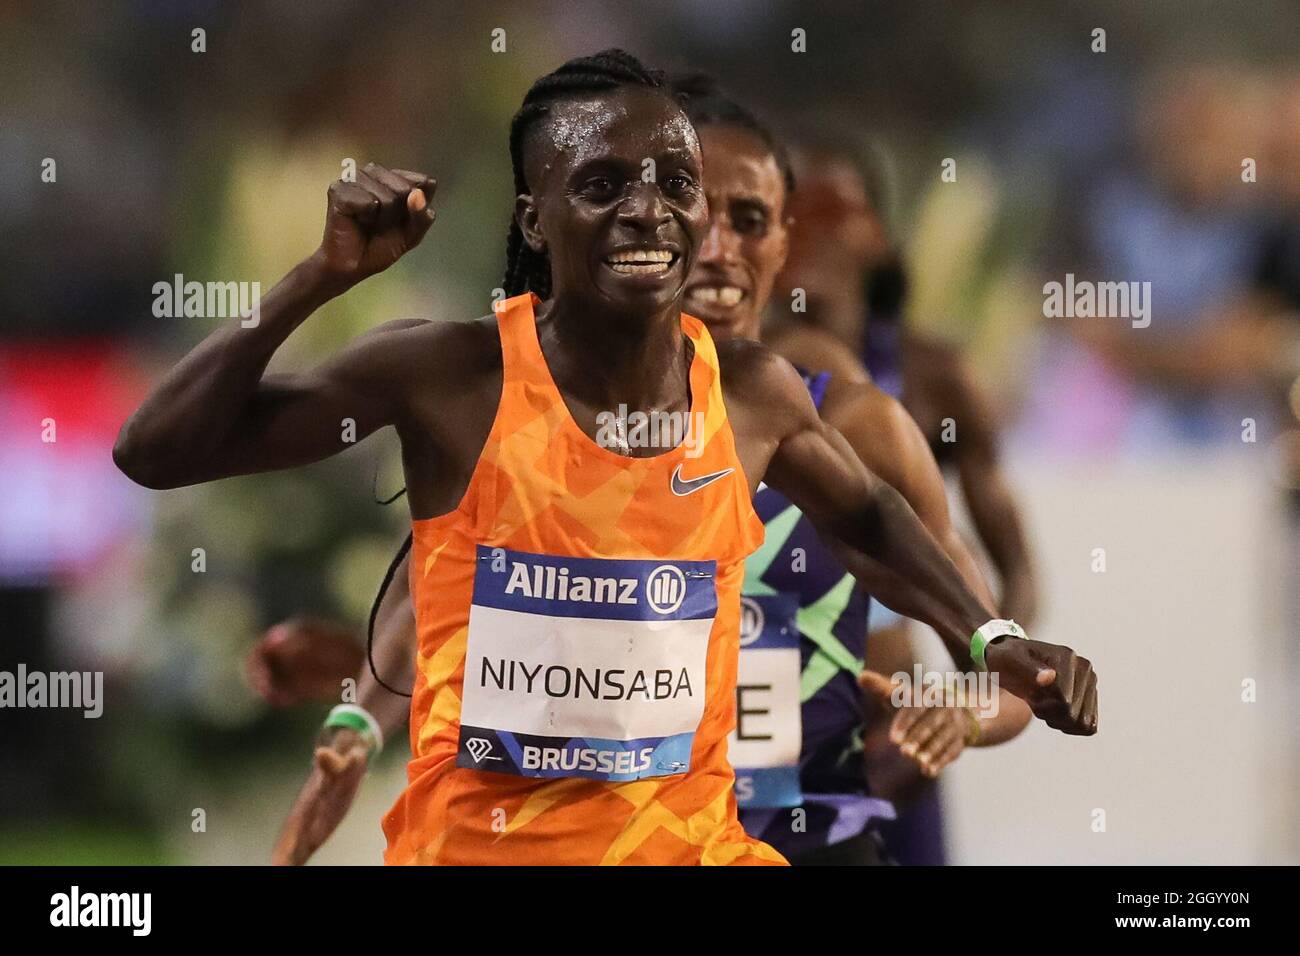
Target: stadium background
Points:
(1123, 165)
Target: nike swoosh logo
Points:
(685, 486)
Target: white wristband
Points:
(351, 716)
(989, 632)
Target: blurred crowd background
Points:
(1123, 165)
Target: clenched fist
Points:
(1059, 686)
(373, 222)
(303, 659)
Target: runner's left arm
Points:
(341, 759)
(817, 469)
(394, 654)
(889, 442)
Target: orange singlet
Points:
(578, 618)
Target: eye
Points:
(749, 222)
(679, 184)
(600, 188)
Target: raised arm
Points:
(217, 413)
(885, 544)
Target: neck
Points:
(606, 359)
(751, 329)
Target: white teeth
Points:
(725, 296)
(636, 269)
(641, 256)
(640, 262)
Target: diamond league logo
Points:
(479, 748)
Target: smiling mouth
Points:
(642, 262)
(716, 296)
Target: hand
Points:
(932, 737)
(302, 660)
(324, 799)
(1059, 686)
(373, 222)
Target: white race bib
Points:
(764, 747)
(585, 667)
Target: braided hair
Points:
(526, 269)
(706, 104)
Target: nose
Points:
(720, 246)
(645, 208)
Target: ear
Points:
(526, 216)
(783, 253)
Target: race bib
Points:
(764, 747)
(585, 667)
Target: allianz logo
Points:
(752, 621)
(665, 586)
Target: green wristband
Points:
(987, 633)
(352, 717)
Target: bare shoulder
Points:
(473, 344)
(818, 351)
(863, 408)
(766, 398)
(756, 375)
(451, 381)
(857, 400)
(766, 402)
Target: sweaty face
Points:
(615, 182)
(745, 246)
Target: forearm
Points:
(909, 572)
(186, 418)
(394, 657)
(394, 654)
